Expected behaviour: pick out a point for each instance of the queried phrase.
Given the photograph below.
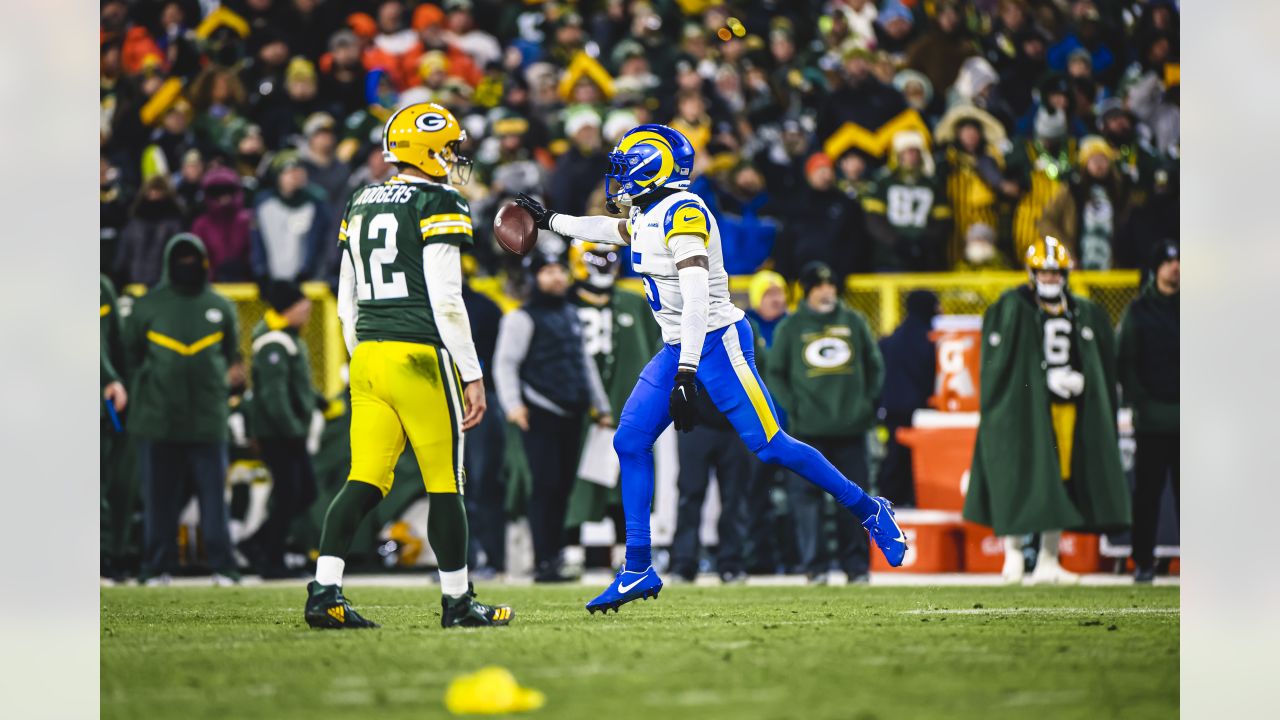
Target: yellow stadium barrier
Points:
(882, 298)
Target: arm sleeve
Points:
(442, 265)
(514, 334)
(595, 228)
(695, 292)
(348, 310)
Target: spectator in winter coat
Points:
(578, 171)
(1086, 32)
(971, 164)
(825, 370)
(1019, 76)
(822, 223)
(1090, 214)
(182, 343)
(156, 217)
(342, 74)
(911, 363)
(547, 381)
(782, 162)
(1039, 164)
(225, 226)
(1056, 94)
(941, 50)
(282, 122)
(280, 418)
(1148, 369)
(767, 303)
(290, 226)
(895, 28)
(743, 212)
(908, 218)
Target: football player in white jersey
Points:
(675, 246)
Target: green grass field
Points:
(697, 652)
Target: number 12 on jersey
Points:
(384, 286)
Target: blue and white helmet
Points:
(647, 158)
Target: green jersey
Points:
(385, 232)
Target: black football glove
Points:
(684, 400)
(541, 215)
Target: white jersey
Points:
(681, 213)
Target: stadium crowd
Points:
(832, 138)
(891, 136)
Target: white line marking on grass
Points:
(1043, 611)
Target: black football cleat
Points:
(327, 609)
(466, 611)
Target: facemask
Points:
(1049, 291)
(600, 281)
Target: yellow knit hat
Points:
(760, 284)
(1094, 144)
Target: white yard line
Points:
(1044, 611)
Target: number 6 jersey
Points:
(387, 232)
(681, 213)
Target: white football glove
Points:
(1065, 382)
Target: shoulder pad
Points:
(686, 217)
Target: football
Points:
(515, 230)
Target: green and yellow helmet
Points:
(594, 264)
(428, 137)
(1048, 253)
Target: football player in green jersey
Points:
(414, 372)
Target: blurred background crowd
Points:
(834, 138)
(877, 136)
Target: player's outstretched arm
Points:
(593, 228)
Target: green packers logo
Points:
(828, 352)
(430, 122)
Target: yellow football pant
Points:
(1064, 433)
(401, 389)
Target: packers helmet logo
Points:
(828, 352)
(430, 122)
